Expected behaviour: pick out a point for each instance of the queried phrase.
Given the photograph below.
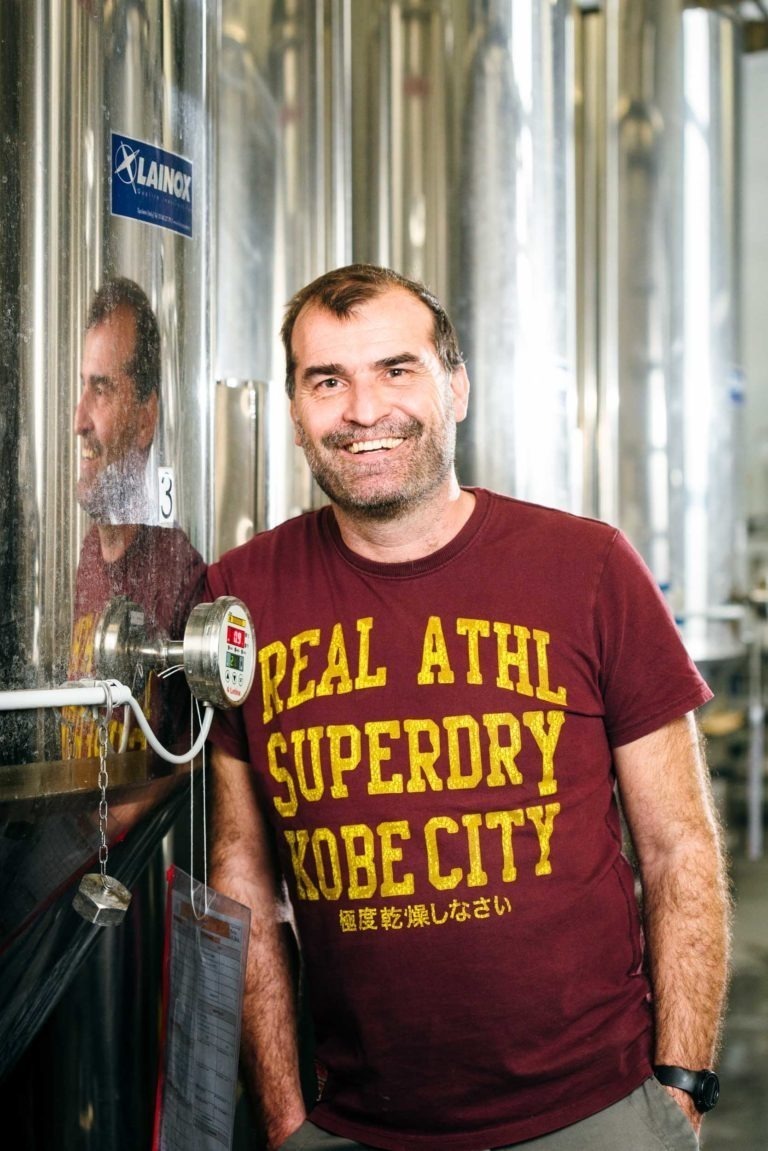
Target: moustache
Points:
(387, 430)
(91, 444)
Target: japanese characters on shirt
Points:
(363, 865)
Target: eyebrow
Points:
(314, 371)
(396, 361)
(101, 381)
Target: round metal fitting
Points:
(220, 652)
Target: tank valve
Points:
(218, 652)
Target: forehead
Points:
(394, 321)
(110, 344)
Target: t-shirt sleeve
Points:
(227, 730)
(648, 678)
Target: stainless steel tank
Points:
(246, 308)
(403, 178)
(514, 283)
(85, 82)
(309, 76)
(708, 560)
(639, 306)
(665, 382)
(106, 114)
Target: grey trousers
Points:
(647, 1120)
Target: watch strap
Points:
(703, 1086)
(679, 1077)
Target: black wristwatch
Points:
(702, 1086)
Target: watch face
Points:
(709, 1091)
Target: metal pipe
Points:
(756, 754)
(100, 694)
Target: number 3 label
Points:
(166, 484)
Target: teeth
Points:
(373, 445)
(88, 454)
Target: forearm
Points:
(667, 798)
(687, 926)
(242, 867)
(687, 923)
(269, 1044)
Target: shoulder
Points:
(582, 559)
(91, 548)
(541, 527)
(91, 581)
(508, 507)
(284, 547)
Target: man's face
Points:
(115, 429)
(374, 410)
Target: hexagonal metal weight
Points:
(101, 900)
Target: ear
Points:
(296, 436)
(147, 422)
(460, 392)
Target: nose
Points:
(366, 402)
(83, 421)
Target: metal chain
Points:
(103, 807)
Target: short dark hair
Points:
(143, 367)
(342, 289)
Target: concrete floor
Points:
(740, 1120)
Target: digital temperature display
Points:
(220, 651)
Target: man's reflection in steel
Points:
(124, 552)
(117, 412)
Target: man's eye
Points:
(329, 385)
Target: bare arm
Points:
(667, 800)
(242, 867)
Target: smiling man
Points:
(374, 408)
(116, 414)
(455, 687)
(125, 552)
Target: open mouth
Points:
(383, 445)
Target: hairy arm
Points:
(242, 867)
(666, 795)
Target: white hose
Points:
(154, 742)
(101, 693)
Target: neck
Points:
(115, 540)
(411, 535)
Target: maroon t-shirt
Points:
(164, 574)
(432, 743)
